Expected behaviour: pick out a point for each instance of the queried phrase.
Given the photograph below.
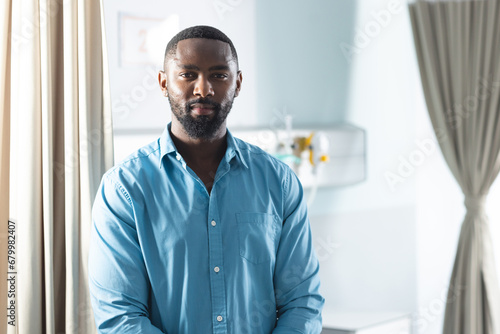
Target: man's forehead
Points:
(195, 49)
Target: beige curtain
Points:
(60, 145)
(458, 49)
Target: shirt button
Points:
(178, 157)
(216, 269)
(214, 223)
(219, 318)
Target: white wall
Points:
(373, 225)
(300, 67)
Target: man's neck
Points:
(199, 152)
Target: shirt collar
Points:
(167, 146)
(233, 149)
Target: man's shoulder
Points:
(254, 155)
(141, 162)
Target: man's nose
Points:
(203, 87)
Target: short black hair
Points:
(207, 32)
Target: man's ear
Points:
(239, 79)
(162, 81)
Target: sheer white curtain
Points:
(60, 145)
(458, 49)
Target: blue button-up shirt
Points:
(168, 257)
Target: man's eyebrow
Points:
(189, 67)
(219, 68)
(196, 68)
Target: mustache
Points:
(203, 101)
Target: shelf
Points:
(347, 164)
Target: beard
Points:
(201, 126)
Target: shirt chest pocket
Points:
(257, 236)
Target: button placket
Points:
(216, 262)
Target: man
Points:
(200, 232)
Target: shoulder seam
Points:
(119, 187)
(287, 188)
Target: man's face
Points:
(201, 82)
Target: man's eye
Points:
(220, 75)
(187, 75)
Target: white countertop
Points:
(357, 320)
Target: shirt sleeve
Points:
(296, 278)
(118, 281)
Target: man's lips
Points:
(202, 109)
